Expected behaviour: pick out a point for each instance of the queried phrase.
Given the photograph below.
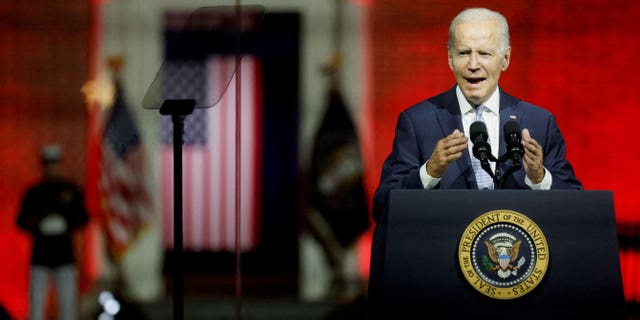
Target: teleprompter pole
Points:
(178, 110)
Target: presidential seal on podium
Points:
(503, 254)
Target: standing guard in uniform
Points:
(52, 212)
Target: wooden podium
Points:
(416, 268)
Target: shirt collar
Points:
(493, 104)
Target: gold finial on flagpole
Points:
(101, 90)
(332, 67)
(115, 63)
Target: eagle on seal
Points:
(503, 256)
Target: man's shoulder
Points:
(522, 105)
(69, 185)
(444, 98)
(531, 108)
(434, 103)
(59, 184)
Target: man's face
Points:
(477, 60)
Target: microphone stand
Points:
(499, 176)
(498, 180)
(484, 164)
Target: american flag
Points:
(124, 196)
(209, 154)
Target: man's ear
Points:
(506, 58)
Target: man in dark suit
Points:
(431, 149)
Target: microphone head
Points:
(512, 136)
(511, 127)
(478, 132)
(479, 136)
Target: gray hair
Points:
(481, 14)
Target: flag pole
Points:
(178, 110)
(238, 239)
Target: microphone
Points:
(512, 136)
(479, 137)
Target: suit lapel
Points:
(449, 119)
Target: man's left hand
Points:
(533, 158)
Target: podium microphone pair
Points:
(482, 148)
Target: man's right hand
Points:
(447, 150)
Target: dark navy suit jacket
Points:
(422, 125)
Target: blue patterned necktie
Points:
(482, 177)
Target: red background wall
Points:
(43, 65)
(575, 58)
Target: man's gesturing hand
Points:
(447, 150)
(533, 157)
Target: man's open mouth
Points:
(474, 80)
